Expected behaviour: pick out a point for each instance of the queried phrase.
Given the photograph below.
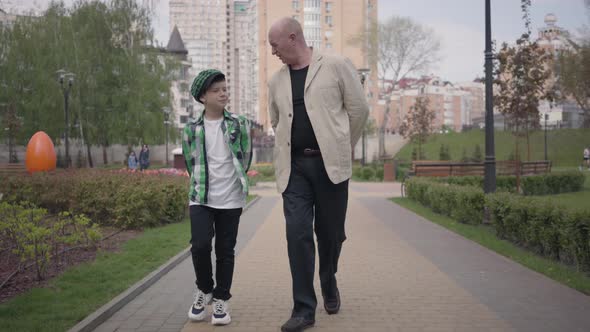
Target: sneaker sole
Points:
(221, 321)
(197, 318)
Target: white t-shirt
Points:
(225, 189)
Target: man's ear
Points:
(292, 37)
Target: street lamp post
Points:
(363, 72)
(490, 159)
(166, 123)
(66, 87)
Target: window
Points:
(296, 17)
(295, 4)
(329, 20)
(183, 119)
(184, 103)
(328, 45)
(328, 7)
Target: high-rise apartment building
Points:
(206, 29)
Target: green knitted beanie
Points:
(203, 81)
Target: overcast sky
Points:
(458, 23)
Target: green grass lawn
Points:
(485, 236)
(564, 148)
(81, 290)
(576, 200)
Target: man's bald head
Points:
(286, 26)
(286, 39)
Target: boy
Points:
(217, 151)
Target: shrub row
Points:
(123, 200)
(462, 203)
(535, 223)
(544, 184)
(543, 227)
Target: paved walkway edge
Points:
(91, 322)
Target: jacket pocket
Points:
(331, 98)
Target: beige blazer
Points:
(337, 109)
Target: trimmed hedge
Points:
(543, 227)
(535, 223)
(462, 203)
(124, 200)
(553, 183)
(532, 185)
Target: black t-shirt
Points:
(302, 135)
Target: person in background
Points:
(132, 161)
(144, 158)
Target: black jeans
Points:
(207, 222)
(311, 195)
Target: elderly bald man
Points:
(317, 110)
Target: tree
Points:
(574, 71)
(444, 153)
(522, 77)
(418, 123)
(396, 48)
(121, 83)
(477, 154)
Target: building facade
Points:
(455, 105)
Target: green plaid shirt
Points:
(236, 130)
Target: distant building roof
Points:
(175, 43)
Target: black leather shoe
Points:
(332, 304)
(296, 324)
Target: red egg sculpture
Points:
(40, 155)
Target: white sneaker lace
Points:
(199, 299)
(219, 307)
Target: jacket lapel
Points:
(313, 69)
(285, 83)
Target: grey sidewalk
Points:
(164, 306)
(398, 272)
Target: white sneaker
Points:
(197, 310)
(220, 313)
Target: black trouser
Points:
(310, 194)
(207, 222)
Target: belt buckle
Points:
(307, 150)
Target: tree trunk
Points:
(89, 152)
(528, 146)
(104, 154)
(517, 167)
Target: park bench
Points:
(436, 168)
(12, 169)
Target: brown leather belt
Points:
(307, 153)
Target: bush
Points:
(463, 203)
(553, 183)
(543, 227)
(125, 200)
(34, 235)
(535, 223)
(367, 173)
(356, 172)
(477, 155)
(545, 184)
(503, 183)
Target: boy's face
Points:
(216, 95)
